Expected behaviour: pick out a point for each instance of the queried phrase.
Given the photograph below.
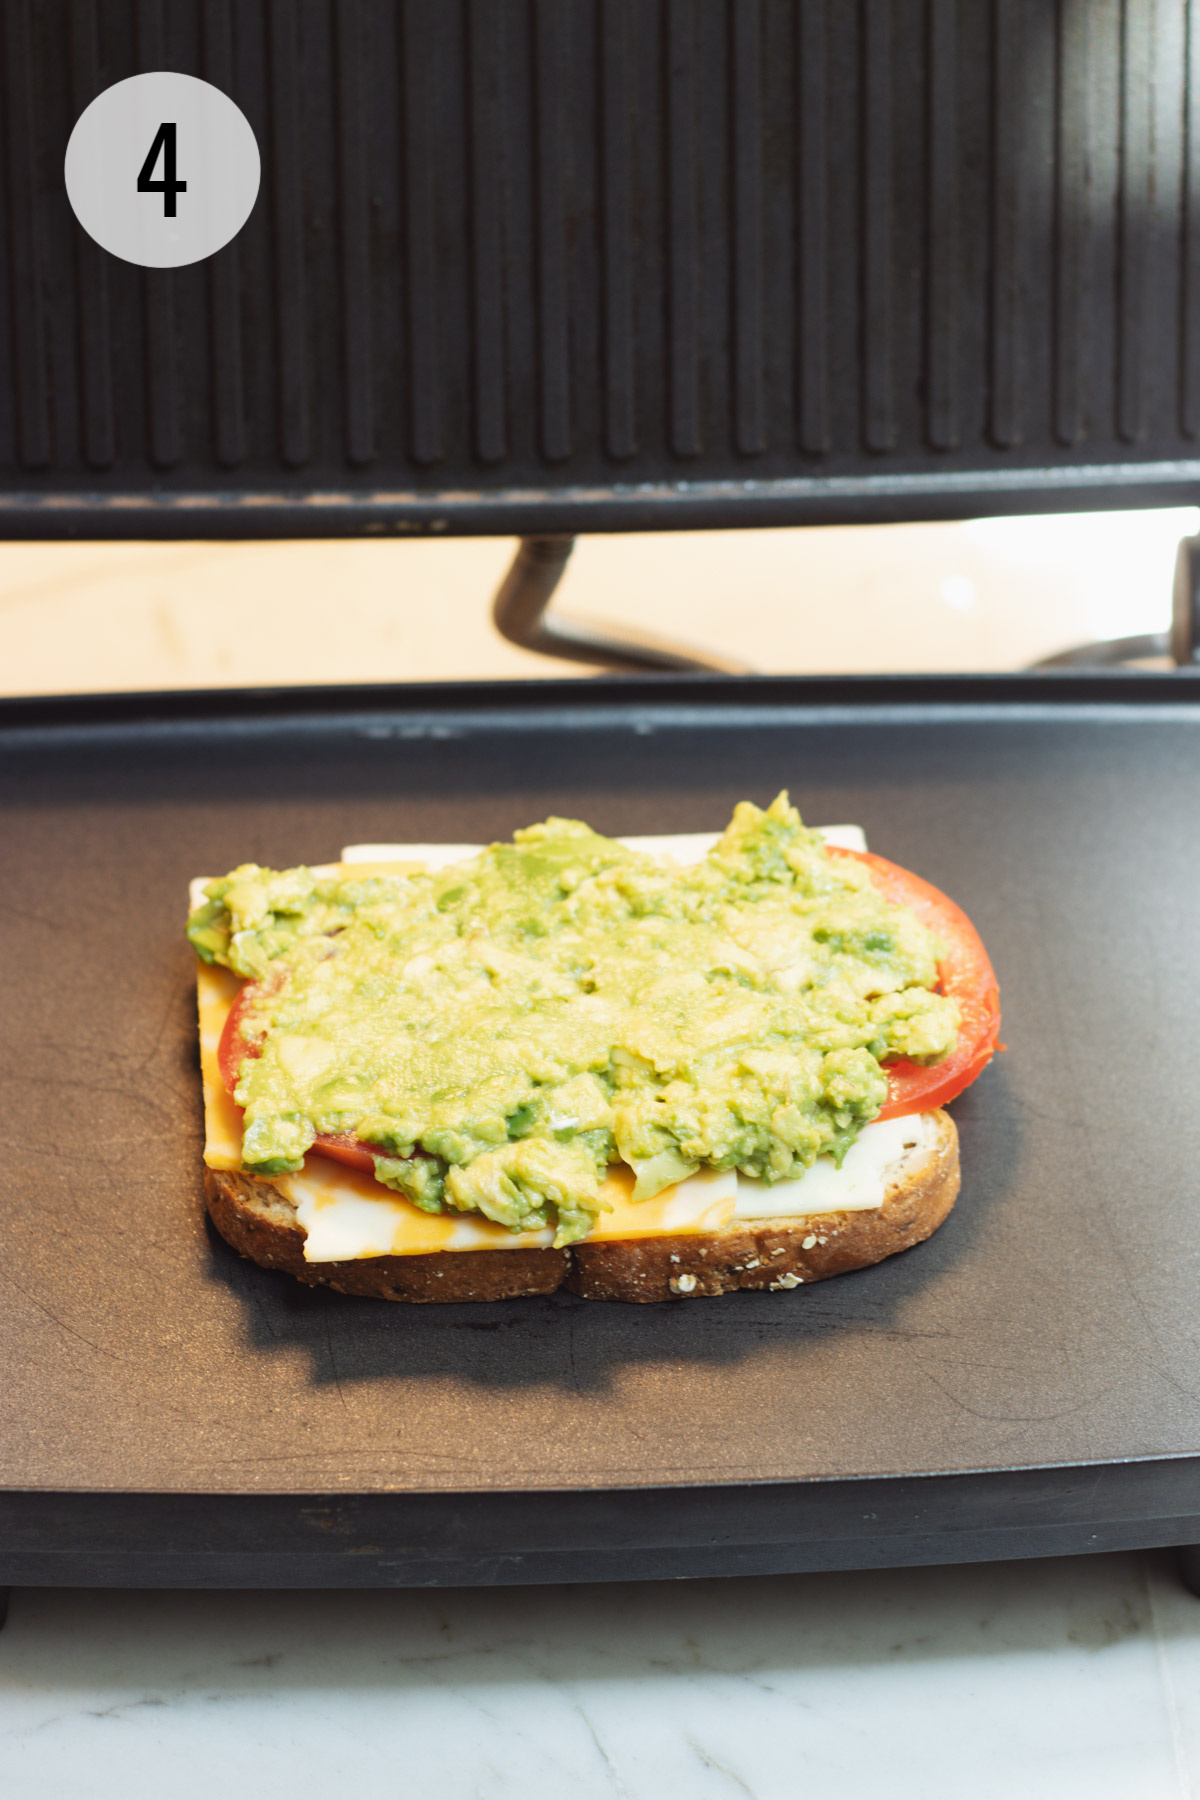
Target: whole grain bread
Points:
(254, 1215)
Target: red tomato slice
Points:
(966, 976)
(346, 1149)
(239, 1040)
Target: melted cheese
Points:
(347, 1215)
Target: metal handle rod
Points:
(520, 612)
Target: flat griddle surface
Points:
(1054, 1320)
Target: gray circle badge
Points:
(162, 169)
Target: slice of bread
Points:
(253, 1215)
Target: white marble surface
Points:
(1050, 1680)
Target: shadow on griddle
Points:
(570, 1345)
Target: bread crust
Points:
(255, 1217)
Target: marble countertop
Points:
(1051, 1680)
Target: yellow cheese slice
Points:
(216, 991)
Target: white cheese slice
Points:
(845, 837)
(858, 1186)
(347, 1216)
(431, 856)
(680, 846)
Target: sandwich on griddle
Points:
(642, 1073)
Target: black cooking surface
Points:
(1055, 1319)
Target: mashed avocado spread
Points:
(500, 1031)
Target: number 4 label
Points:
(109, 171)
(169, 185)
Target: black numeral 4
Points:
(169, 185)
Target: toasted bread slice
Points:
(254, 1215)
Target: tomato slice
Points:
(966, 976)
(239, 1040)
(346, 1149)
